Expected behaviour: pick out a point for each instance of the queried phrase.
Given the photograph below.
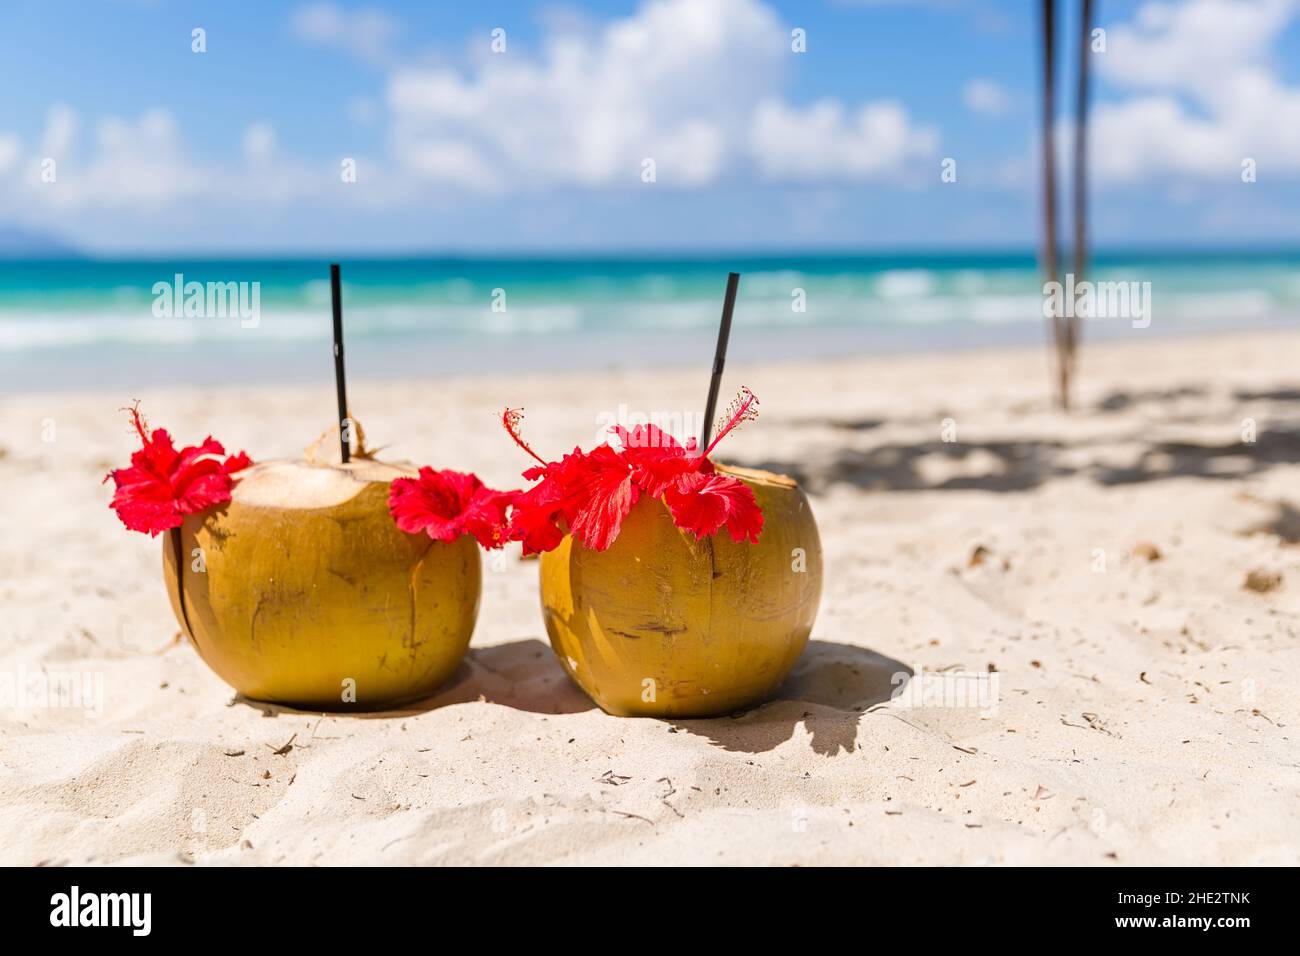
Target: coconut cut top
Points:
(758, 476)
(301, 484)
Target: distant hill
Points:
(19, 243)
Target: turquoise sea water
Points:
(92, 323)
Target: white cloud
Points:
(1193, 46)
(60, 131)
(1154, 135)
(365, 34)
(986, 96)
(142, 163)
(1204, 94)
(695, 85)
(450, 162)
(822, 142)
(363, 110)
(10, 150)
(692, 84)
(132, 162)
(675, 83)
(259, 143)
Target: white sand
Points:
(1146, 711)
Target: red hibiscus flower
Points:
(593, 492)
(446, 504)
(163, 484)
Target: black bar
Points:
(1023, 907)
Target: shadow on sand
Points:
(522, 674)
(1023, 465)
(830, 687)
(828, 691)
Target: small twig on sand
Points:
(634, 816)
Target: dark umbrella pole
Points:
(1074, 328)
(1049, 254)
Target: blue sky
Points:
(238, 149)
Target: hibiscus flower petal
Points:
(202, 489)
(142, 512)
(157, 457)
(701, 504)
(603, 498)
(485, 518)
(537, 530)
(238, 462)
(536, 515)
(656, 458)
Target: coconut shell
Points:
(662, 624)
(309, 595)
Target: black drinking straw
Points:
(337, 295)
(719, 357)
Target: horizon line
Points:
(646, 253)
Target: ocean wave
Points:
(653, 302)
(905, 284)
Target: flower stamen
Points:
(137, 419)
(512, 418)
(743, 408)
